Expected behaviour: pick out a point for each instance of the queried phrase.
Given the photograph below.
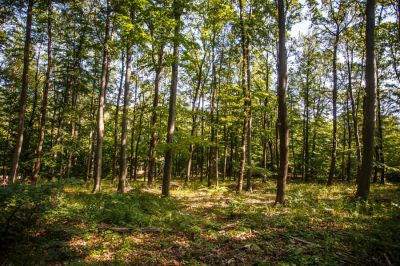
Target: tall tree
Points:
(43, 114)
(282, 110)
(124, 132)
(98, 163)
(176, 12)
(23, 95)
(363, 179)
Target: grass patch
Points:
(59, 222)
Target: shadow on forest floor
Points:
(62, 223)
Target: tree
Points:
(157, 57)
(23, 95)
(282, 110)
(43, 114)
(176, 12)
(124, 132)
(102, 96)
(363, 179)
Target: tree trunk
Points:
(332, 168)
(23, 95)
(249, 172)
(380, 138)
(172, 101)
(116, 119)
(124, 131)
(43, 113)
(353, 105)
(282, 110)
(348, 166)
(153, 139)
(26, 151)
(135, 161)
(224, 172)
(194, 119)
(246, 97)
(307, 125)
(98, 162)
(363, 180)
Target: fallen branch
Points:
(122, 230)
(304, 241)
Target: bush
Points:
(22, 208)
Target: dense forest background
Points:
(262, 123)
(92, 64)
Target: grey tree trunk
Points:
(332, 168)
(124, 132)
(98, 162)
(116, 120)
(282, 109)
(153, 139)
(172, 101)
(363, 180)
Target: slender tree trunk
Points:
(39, 149)
(124, 131)
(26, 151)
(98, 162)
(153, 139)
(380, 138)
(282, 110)
(246, 97)
(225, 155)
(90, 153)
(249, 172)
(332, 168)
(133, 127)
(116, 119)
(23, 95)
(135, 161)
(194, 120)
(307, 126)
(363, 180)
(353, 105)
(348, 166)
(213, 88)
(202, 136)
(172, 101)
(265, 120)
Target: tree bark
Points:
(172, 100)
(332, 168)
(282, 110)
(153, 139)
(135, 161)
(380, 139)
(124, 131)
(246, 97)
(116, 119)
(98, 162)
(363, 180)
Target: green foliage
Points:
(22, 209)
(60, 221)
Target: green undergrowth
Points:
(62, 222)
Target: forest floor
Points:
(62, 223)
